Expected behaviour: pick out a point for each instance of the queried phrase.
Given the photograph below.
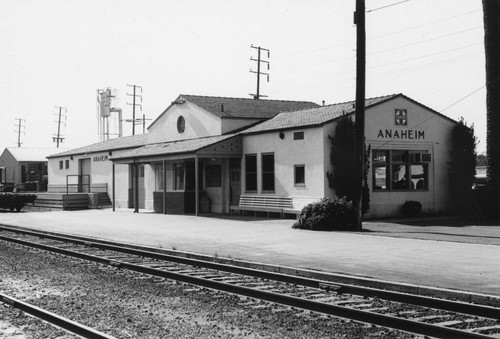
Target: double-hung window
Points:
(251, 173)
(268, 172)
(178, 176)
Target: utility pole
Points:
(134, 95)
(58, 138)
(21, 128)
(359, 144)
(259, 61)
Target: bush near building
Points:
(328, 214)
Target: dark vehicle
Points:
(15, 201)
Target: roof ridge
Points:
(238, 98)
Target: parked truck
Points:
(15, 201)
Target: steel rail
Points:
(436, 303)
(54, 319)
(329, 309)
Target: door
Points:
(142, 191)
(84, 175)
(235, 186)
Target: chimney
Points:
(323, 102)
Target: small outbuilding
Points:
(25, 166)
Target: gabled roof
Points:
(313, 116)
(243, 108)
(172, 147)
(31, 153)
(108, 145)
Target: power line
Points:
(134, 95)
(394, 4)
(258, 72)
(58, 137)
(21, 129)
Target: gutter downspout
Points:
(196, 190)
(113, 191)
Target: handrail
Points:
(80, 181)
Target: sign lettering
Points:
(401, 134)
(100, 158)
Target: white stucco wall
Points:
(199, 123)
(431, 133)
(101, 170)
(287, 153)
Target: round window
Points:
(181, 124)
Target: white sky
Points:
(59, 52)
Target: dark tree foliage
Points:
(463, 164)
(491, 13)
(342, 154)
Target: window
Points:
(251, 173)
(61, 165)
(181, 124)
(268, 172)
(159, 184)
(300, 175)
(298, 135)
(400, 170)
(178, 177)
(66, 163)
(213, 176)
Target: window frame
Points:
(303, 183)
(406, 161)
(267, 173)
(178, 168)
(251, 173)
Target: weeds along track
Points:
(416, 314)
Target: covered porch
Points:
(184, 177)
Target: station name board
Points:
(100, 158)
(401, 134)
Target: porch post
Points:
(136, 191)
(164, 186)
(113, 190)
(196, 183)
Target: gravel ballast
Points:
(127, 305)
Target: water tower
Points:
(109, 117)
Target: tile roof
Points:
(172, 147)
(108, 145)
(313, 116)
(32, 153)
(246, 107)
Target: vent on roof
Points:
(298, 135)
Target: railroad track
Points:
(52, 318)
(407, 312)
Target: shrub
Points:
(411, 208)
(328, 214)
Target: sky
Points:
(58, 53)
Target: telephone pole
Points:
(359, 144)
(258, 72)
(58, 137)
(21, 128)
(134, 95)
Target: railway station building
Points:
(218, 155)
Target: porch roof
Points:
(229, 145)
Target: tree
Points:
(463, 164)
(491, 13)
(341, 179)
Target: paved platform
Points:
(459, 257)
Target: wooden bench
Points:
(264, 203)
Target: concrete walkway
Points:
(465, 258)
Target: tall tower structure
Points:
(109, 117)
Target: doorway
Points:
(84, 167)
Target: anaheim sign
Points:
(401, 134)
